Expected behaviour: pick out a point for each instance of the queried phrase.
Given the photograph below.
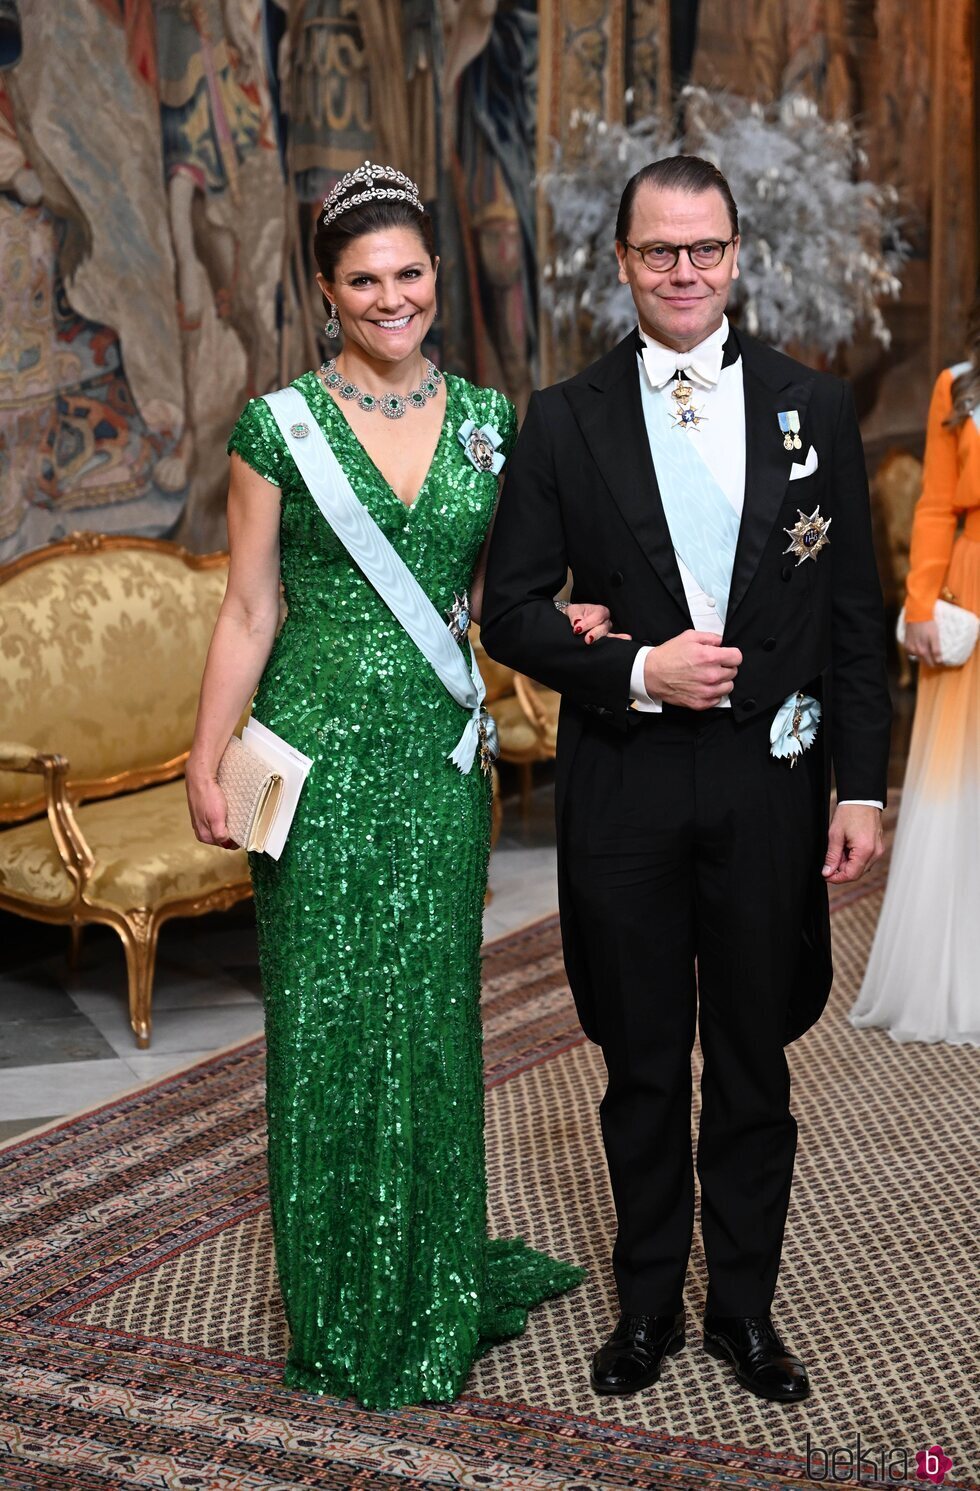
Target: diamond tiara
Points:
(368, 175)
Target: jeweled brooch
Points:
(481, 446)
(459, 616)
(808, 536)
(299, 432)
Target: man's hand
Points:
(692, 670)
(853, 844)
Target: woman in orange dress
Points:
(923, 977)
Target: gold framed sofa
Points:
(102, 645)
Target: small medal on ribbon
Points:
(789, 423)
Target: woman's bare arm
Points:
(243, 636)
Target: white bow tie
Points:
(703, 363)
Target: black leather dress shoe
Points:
(632, 1357)
(761, 1361)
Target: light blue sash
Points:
(703, 524)
(383, 566)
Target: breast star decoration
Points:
(808, 536)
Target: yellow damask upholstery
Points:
(101, 656)
(102, 645)
(141, 849)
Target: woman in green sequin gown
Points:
(369, 939)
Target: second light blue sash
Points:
(383, 566)
(702, 522)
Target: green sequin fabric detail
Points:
(369, 942)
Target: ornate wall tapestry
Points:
(156, 216)
(163, 202)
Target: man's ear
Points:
(621, 252)
(735, 248)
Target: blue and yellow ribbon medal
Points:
(686, 417)
(789, 423)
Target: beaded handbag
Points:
(958, 630)
(252, 794)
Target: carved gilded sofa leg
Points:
(75, 950)
(139, 930)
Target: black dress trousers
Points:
(689, 852)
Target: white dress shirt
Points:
(719, 400)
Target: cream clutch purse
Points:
(958, 631)
(252, 792)
(262, 777)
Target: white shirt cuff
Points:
(861, 802)
(641, 699)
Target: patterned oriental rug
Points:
(141, 1333)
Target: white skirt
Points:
(922, 982)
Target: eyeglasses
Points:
(707, 253)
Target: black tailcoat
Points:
(581, 492)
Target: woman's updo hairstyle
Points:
(372, 199)
(965, 391)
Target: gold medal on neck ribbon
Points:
(686, 416)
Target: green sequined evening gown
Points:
(369, 941)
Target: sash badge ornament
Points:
(686, 417)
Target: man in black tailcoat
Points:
(711, 492)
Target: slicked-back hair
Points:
(684, 173)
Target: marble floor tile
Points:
(50, 1090)
(175, 988)
(35, 992)
(108, 997)
(72, 1037)
(148, 1066)
(201, 1028)
(525, 887)
(11, 1127)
